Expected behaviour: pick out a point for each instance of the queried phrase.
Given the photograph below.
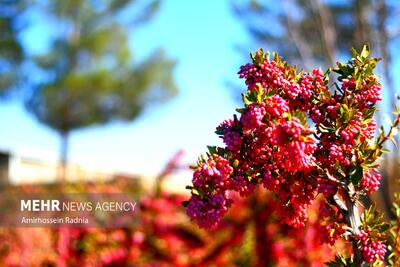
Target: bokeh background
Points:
(199, 38)
(125, 94)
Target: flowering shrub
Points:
(300, 136)
(313, 177)
(247, 236)
(250, 235)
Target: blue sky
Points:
(201, 35)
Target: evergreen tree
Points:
(90, 75)
(316, 33)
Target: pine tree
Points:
(90, 75)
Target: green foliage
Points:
(373, 219)
(11, 51)
(361, 68)
(90, 75)
(356, 175)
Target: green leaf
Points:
(353, 52)
(260, 93)
(302, 118)
(241, 110)
(235, 163)
(246, 99)
(359, 81)
(258, 57)
(325, 129)
(185, 203)
(365, 52)
(356, 175)
(214, 150)
(197, 192)
(369, 113)
(341, 261)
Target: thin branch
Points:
(390, 133)
(301, 44)
(381, 11)
(340, 204)
(352, 217)
(326, 29)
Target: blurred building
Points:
(20, 169)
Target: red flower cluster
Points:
(370, 181)
(373, 250)
(267, 145)
(232, 138)
(214, 172)
(271, 143)
(344, 123)
(208, 210)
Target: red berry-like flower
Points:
(275, 144)
(208, 211)
(370, 181)
(372, 250)
(215, 171)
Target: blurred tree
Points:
(90, 76)
(317, 32)
(11, 51)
